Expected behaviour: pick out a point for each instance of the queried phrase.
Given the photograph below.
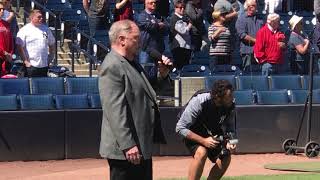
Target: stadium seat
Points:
(94, 100)
(76, 101)
(316, 82)
(209, 80)
(316, 96)
(244, 97)
(226, 69)
(298, 96)
(275, 97)
(8, 102)
(194, 70)
(36, 102)
(254, 69)
(47, 85)
(14, 86)
(83, 85)
(286, 82)
(253, 82)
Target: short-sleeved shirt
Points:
(36, 41)
(222, 44)
(294, 40)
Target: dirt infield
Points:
(164, 167)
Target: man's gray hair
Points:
(272, 17)
(119, 28)
(249, 3)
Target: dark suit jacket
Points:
(128, 102)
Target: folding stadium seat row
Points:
(274, 97)
(49, 102)
(263, 83)
(55, 86)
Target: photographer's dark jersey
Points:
(201, 113)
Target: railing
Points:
(93, 59)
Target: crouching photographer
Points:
(207, 126)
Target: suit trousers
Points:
(124, 170)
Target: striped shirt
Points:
(221, 44)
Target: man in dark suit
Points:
(130, 112)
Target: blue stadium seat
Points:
(83, 85)
(226, 69)
(286, 82)
(73, 101)
(253, 82)
(94, 100)
(316, 96)
(275, 97)
(47, 85)
(14, 86)
(298, 96)
(36, 102)
(8, 102)
(254, 69)
(194, 70)
(201, 58)
(316, 82)
(244, 97)
(209, 80)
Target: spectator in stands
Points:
(247, 27)
(6, 44)
(153, 28)
(163, 8)
(299, 47)
(270, 46)
(180, 36)
(206, 117)
(34, 47)
(219, 34)
(10, 17)
(131, 121)
(98, 19)
(273, 6)
(316, 7)
(123, 10)
(232, 7)
(316, 41)
(209, 11)
(198, 32)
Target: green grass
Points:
(265, 177)
(297, 166)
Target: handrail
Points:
(75, 46)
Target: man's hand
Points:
(27, 63)
(282, 45)
(231, 147)
(133, 155)
(8, 56)
(163, 66)
(210, 142)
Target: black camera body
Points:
(186, 19)
(224, 139)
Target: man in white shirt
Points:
(273, 6)
(36, 45)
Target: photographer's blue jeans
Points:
(149, 67)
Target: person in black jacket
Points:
(195, 13)
(180, 37)
(153, 28)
